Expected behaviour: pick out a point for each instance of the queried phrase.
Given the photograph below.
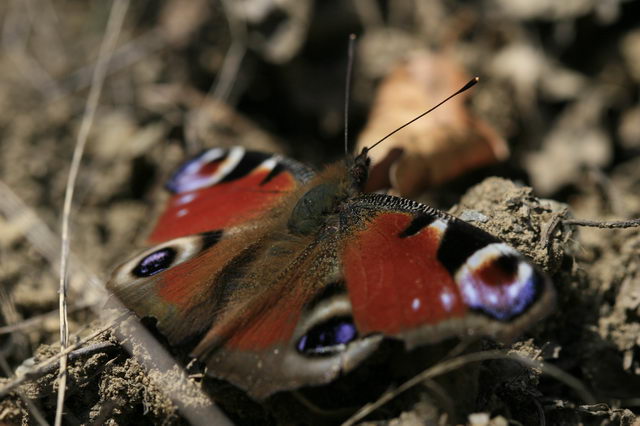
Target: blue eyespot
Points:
(156, 262)
(328, 338)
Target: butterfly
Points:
(280, 277)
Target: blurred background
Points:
(557, 108)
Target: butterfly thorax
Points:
(327, 192)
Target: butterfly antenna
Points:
(347, 90)
(464, 88)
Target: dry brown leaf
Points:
(437, 148)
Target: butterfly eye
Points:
(328, 337)
(155, 262)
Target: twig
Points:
(558, 218)
(114, 25)
(458, 362)
(551, 227)
(614, 224)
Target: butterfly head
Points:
(359, 169)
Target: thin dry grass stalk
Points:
(114, 25)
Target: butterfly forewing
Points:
(221, 188)
(210, 220)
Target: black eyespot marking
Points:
(211, 238)
(279, 168)
(417, 224)
(508, 265)
(459, 242)
(250, 161)
(156, 262)
(328, 338)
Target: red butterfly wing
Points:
(422, 275)
(222, 187)
(280, 333)
(180, 282)
(206, 227)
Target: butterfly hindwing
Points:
(180, 282)
(422, 275)
(295, 330)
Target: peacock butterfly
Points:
(288, 278)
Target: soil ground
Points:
(560, 82)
